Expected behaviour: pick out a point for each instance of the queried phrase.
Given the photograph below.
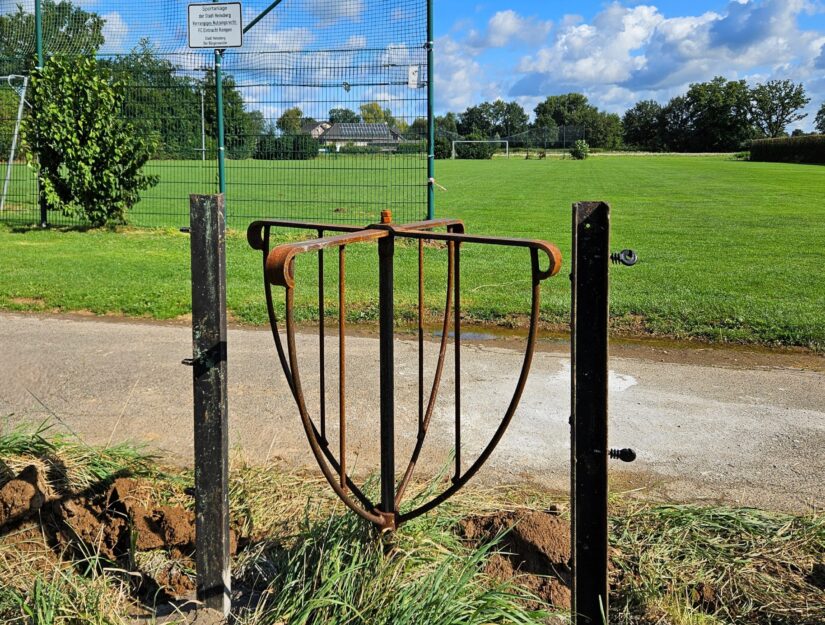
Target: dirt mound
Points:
(22, 495)
(535, 550)
(120, 523)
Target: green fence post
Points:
(38, 36)
(219, 108)
(430, 115)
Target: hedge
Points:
(286, 148)
(805, 149)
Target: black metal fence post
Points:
(589, 447)
(386, 250)
(209, 381)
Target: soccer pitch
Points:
(729, 250)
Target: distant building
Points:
(360, 135)
(315, 129)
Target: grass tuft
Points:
(722, 565)
(69, 464)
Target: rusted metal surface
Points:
(279, 271)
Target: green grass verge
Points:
(310, 561)
(730, 251)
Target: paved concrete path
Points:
(752, 435)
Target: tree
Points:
(604, 131)
(290, 122)
(372, 113)
(159, 102)
(676, 126)
(572, 109)
(476, 151)
(476, 120)
(418, 129)
(777, 103)
(343, 116)
(242, 128)
(89, 158)
(67, 29)
(642, 126)
(9, 104)
(819, 122)
(447, 123)
(507, 118)
(719, 115)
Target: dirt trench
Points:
(118, 522)
(533, 551)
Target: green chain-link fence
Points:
(325, 107)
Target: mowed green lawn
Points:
(729, 250)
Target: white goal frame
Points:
(506, 145)
(22, 92)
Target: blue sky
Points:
(619, 52)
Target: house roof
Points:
(361, 132)
(308, 127)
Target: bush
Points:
(807, 149)
(443, 148)
(580, 150)
(476, 151)
(89, 158)
(359, 149)
(412, 147)
(286, 148)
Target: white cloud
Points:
(457, 75)
(356, 42)
(287, 39)
(507, 28)
(603, 51)
(329, 13)
(115, 31)
(629, 53)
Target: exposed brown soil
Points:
(534, 551)
(118, 522)
(22, 495)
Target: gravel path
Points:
(749, 433)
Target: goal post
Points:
(21, 91)
(497, 141)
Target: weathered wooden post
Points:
(208, 250)
(589, 446)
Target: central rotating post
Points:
(386, 252)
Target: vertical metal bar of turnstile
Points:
(206, 215)
(386, 250)
(589, 451)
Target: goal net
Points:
(13, 103)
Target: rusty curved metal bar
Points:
(372, 516)
(427, 417)
(279, 271)
(264, 242)
(461, 480)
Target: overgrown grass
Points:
(307, 560)
(725, 565)
(730, 251)
(70, 464)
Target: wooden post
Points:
(589, 450)
(206, 213)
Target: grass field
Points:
(730, 250)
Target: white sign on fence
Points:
(215, 25)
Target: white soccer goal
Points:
(498, 141)
(19, 84)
